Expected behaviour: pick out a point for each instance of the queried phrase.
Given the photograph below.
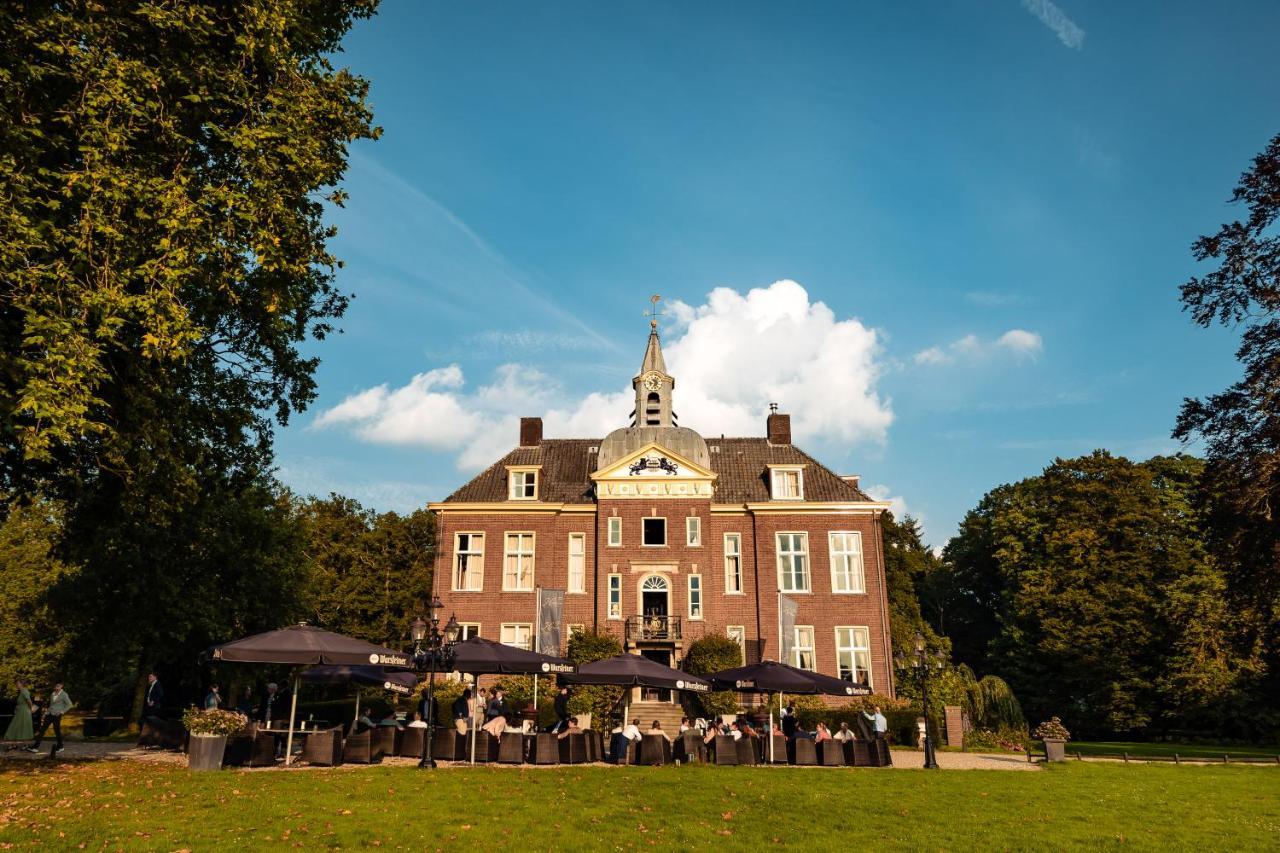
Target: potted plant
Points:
(209, 732)
(1055, 736)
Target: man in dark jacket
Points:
(562, 709)
(789, 721)
(153, 701)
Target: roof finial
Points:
(773, 408)
(653, 313)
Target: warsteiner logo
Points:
(388, 660)
(546, 667)
(373, 658)
(558, 667)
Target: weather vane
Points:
(653, 313)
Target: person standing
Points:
(789, 720)
(562, 709)
(212, 699)
(153, 702)
(878, 719)
(463, 712)
(245, 706)
(59, 704)
(269, 703)
(20, 727)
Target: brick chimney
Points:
(530, 432)
(779, 429)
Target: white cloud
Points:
(1021, 341)
(971, 348)
(1056, 19)
(731, 357)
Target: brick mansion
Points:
(660, 536)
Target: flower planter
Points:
(1055, 749)
(205, 752)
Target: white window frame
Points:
(733, 571)
(775, 492)
(475, 573)
(615, 531)
(853, 650)
(665, 537)
(695, 593)
(738, 633)
(515, 627)
(581, 586)
(516, 480)
(852, 560)
(613, 609)
(520, 551)
(797, 649)
(789, 575)
(693, 531)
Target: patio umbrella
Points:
(304, 645)
(637, 671)
(770, 676)
(478, 656)
(398, 682)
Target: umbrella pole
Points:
(356, 718)
(771, 733)
(293, 715)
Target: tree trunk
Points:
(139, 697)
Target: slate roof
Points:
(740, 463)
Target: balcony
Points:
(653, 629)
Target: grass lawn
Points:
(135, 805)
(1184, 750)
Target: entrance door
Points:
(655, 597)
(662, 656)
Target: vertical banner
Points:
(550, 621)
(787, 609)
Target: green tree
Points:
(1240, 427)
(370, 573)
(598, 700)
(709, 654)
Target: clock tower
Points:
(653, 384)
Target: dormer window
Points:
(786, 482)
(522, 484)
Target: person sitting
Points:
(632, 731)
(418, 722)
(823, 733)
(656, 729)
(570, 728)
(496, 713)
(463, 711)
(843, 733)
(685, 725)
(735, 730)
(747, 729)
(390, 721)
(713, 731)
(364, 723)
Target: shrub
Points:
(447, 692)
(598, 700)
(990, 704)
(216, 722)
(710, 654)
(1051, 729)
(1008, 738)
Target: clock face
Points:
(653, 382)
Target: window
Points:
(738, 633)
(524, 485)
(517, 568)
(733, 563)
(468, 630)
(693, 531)
(518, 634)
(846, 563)
(853, 654)
(615, 531)
(802, 656)
(577, 562)
(793, 562)
(788, 484)
(655, 531)
(695, 596)
(468, 562)
(615, 596)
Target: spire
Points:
(653, 384)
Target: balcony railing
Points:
(651, 629)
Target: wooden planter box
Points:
(1055, 749)
(204, 752)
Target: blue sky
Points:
(985, 208)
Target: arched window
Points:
(654, 583)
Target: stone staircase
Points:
(647, 712)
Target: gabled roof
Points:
(741, 466)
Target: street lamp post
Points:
(924, 665)
(431, 649)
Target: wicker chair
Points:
(806, 752)
(748, 749)
(881, 751)
(831, 753)
(412, 741)
(388, 739)
(164, 734)
(511, 748)
(573, 748)
(655, 750)
(263, 753)
(362, 748)
(726, 750)
(779, 749)
(690, 749)
(545, 748)
(324, 748)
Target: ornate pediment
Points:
(653, 471)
